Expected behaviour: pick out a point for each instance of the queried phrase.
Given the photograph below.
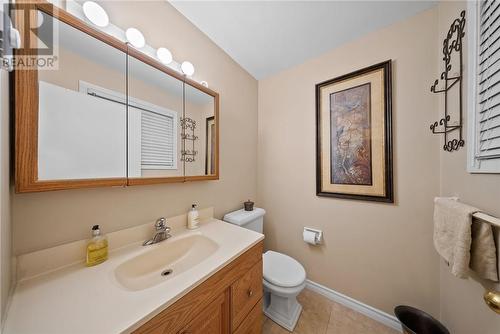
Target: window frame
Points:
(485, 166)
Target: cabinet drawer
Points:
(245, 293)
(252, 324)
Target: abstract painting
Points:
(351, 136)
(354, 135)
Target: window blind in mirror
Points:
(157, 140)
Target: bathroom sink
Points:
(164, 261)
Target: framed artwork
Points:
(210, 146)
(354, 135)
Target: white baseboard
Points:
(7, 306)
(371, 312)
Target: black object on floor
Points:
(415, 321)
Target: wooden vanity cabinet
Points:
(229, 301)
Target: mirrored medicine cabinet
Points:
(109, 115)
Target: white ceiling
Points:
(265, 37)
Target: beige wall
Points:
(462, 307)
(380, 254)
(46, 219)
(5, 218)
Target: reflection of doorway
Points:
(152, 133)
(210, 149)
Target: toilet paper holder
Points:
(318, 238)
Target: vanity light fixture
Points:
(98, 16)
(135, 37)
(164, 55)
(187, 68)
(95, 14)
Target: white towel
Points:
(463, 243)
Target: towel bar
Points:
(491, 298)
(494, 221)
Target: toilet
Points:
(284, 277)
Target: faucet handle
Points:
(160, 224)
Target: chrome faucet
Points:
(162, 232)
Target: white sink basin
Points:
(164, 261)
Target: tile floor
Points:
(322, 316)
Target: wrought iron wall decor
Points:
(188, 124)
(452, 44)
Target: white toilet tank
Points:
(252, 220)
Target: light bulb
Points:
(187, 68)
(135, 37)
(164, 55)
(95, 14)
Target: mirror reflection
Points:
(155, 108)
(199, 131)
(81, 125)
(103, 114)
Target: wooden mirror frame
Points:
(25, 95)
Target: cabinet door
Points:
(213, 320)
(155, 109)
(68, 135)
(252, 324)
(200, 133)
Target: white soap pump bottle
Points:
(193, 218)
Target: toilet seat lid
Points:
(282, 270)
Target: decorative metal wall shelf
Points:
(452, 44)
(188, 124)
(188, 136)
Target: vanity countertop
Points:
(90, 300)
